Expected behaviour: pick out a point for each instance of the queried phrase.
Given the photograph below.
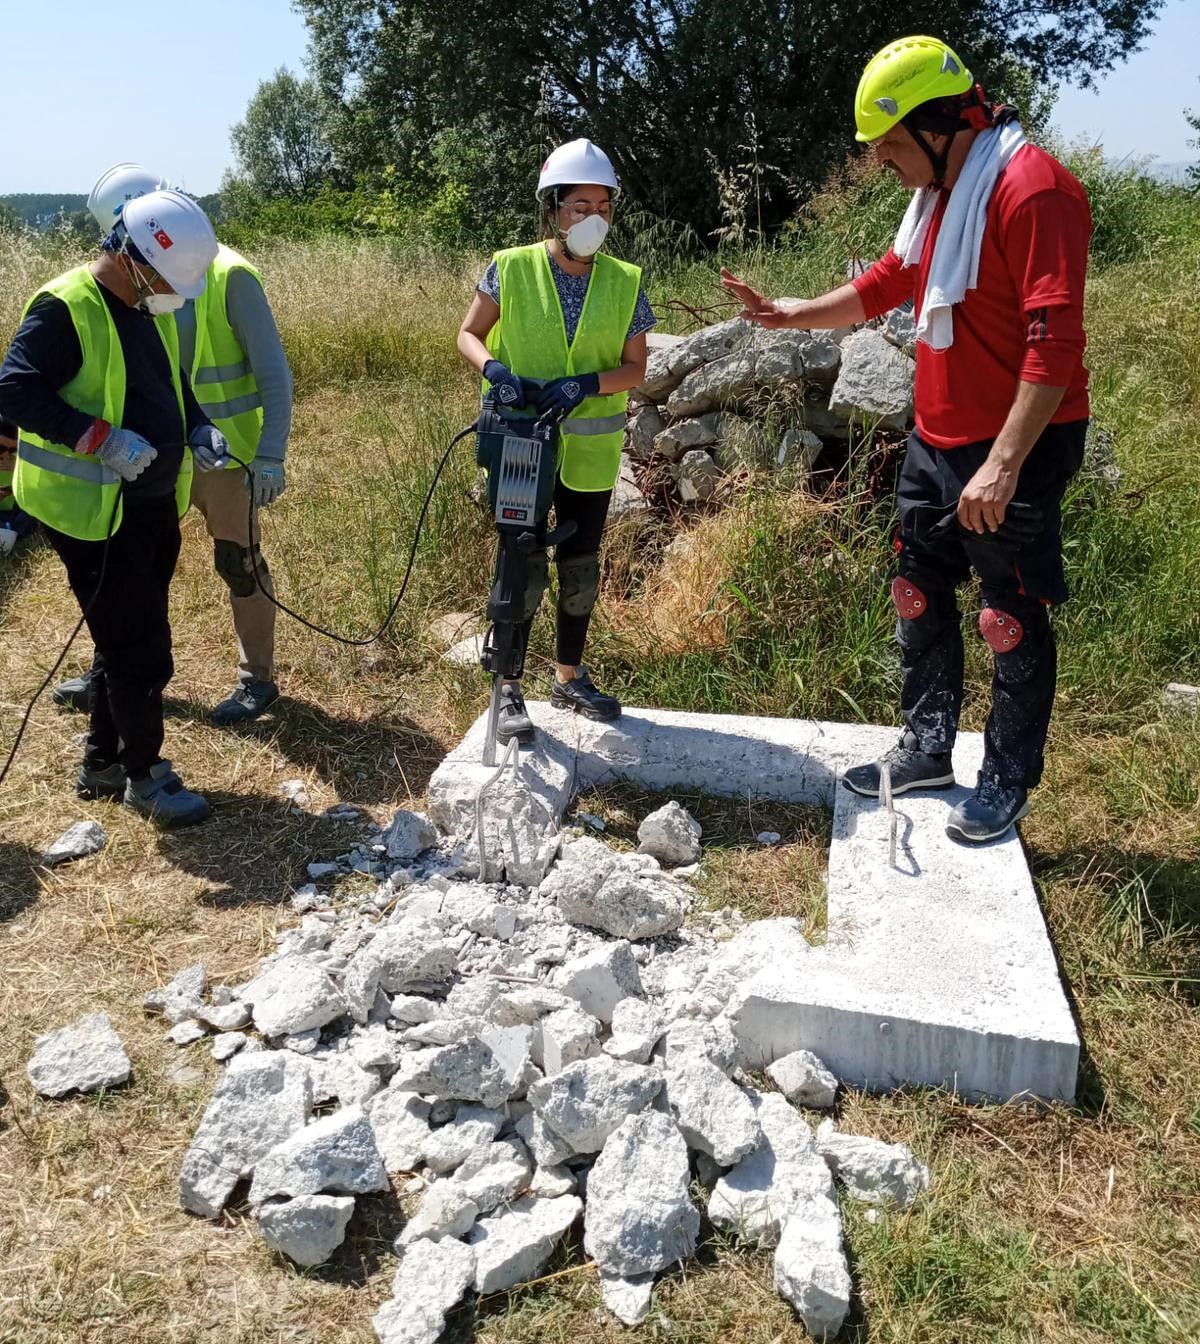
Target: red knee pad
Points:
(1001, 631)
(908, 599)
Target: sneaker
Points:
(581, 695)
(73, 693)
(162, 797)
(513, 720)
(246, 703)
(989, 812)
(92, 783)
(911, 768)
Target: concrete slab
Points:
(939, 971)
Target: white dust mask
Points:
(587, 237)
(158, 304)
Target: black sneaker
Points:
(92, 783)
(73, 693)
(911, 768)
(513, 720)
(246, 703)
(581, 695)
(989, 812)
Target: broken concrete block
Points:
(409, 834)
(187, 1032)
(715, 385)
(291, 995)
(641, 430)
(804, 1080)
(511, 1049)
(76, 842)
(871, 1170)
(636, 1028)
(714, 1115)
(495, 1175)
(227, 1044)
(468, 1071)
(627, 1298)
(399, 957)
(1179, 695)
(588, 1100)
(547, 1149)
(683, 435)
(633, 904)
(260, 1100)
(564, 1037)
(446, 1210)
(231, 1016)
(411, 1010)
(401, 1124)
(180, 997)
(697, 476)
(811, 1271)
(513, 1245)
(336, 1154)
(307, 1229)
(336, 1076)
(690, 1038)
(599, 980)
(432, 1278)
(551, 1182)
(451, 1144)
(640, 1218)
(83, 1057)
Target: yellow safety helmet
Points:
(905, 74)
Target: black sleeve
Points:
(44, 356)
(193, 416)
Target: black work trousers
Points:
(588, 510)
(1018, 587)
(128, 621)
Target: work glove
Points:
(8, 539)
(562, 395)
(931, 523)
(267, 481)
(506, 389)
(210, 448)
(121, 450)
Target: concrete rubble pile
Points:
(734, 395)
(520, 1062)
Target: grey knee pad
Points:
(234, 565)
(578, 584)
(537, 575)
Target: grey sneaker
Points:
(513, 720)
(162, 797)
(911, 768)
(91, 783)
(246, 703)
(989, 812)
(582, 695)
(73, 693)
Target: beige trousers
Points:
(221, 498)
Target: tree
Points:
(281, 147)
(688, 96)
(1193, 172)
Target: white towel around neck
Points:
(955, 266)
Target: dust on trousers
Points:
(1018, 589)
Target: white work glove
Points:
(210, 449)
(269, 481)
(8, 539)
(121, 450)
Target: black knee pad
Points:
(235, 565)
(578, 584)
(537, 576)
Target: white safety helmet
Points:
(577, 164)
(116, 188)
(173, 235)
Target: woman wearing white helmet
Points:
(559, 327)
(106, 418)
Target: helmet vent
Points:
(888, 106)
(949, 65)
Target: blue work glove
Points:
(121, 450)
(564, 394)
(506, 389)
(210, 449)
(267, 481)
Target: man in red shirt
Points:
(997, 277)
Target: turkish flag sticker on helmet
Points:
(163, 239)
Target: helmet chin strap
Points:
(938, 161)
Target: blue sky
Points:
(88, 85)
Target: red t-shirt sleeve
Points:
(1046, 247)
(886, 285)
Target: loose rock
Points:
(804, 1080)
(76, 842)
(308, 1229)
(697, 476)
(671, 835)
(83, 1057)
(432, 1278)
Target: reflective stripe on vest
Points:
(70, 492)
(531, 339)
(222, 378)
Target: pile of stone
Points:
(735, 396)
(522, 1058)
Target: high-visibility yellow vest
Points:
(222, 378)
(531, 339)
(69, 491)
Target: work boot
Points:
(246, 703)
(73, 693)
(911, 768)
(989, 812)
(513, 720)
(581, 695)
(160, 795)
(93, 783)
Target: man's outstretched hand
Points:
(755, 306)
